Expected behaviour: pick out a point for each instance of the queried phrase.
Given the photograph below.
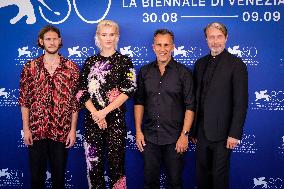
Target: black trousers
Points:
(154, 155)
(103, 146)
(212, 163)
(41, 152)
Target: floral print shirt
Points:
(51, 100)
(103, 79)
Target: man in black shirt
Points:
(165, 100)
(221, 81)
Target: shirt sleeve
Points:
(188, 90)
(24, 87)
(75, 77)
(140, 92)
(128, 80)
(83, 95)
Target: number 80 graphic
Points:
(69, 11)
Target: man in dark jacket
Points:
(221, 81)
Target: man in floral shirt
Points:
(49, 109)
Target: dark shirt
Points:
(50, 99)
(165, 99)
(211, 65)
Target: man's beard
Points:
(50, 52)
(216, 50)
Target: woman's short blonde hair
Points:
(106, 23)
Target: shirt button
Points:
(158, 125)
(159, 93)
(160, 81)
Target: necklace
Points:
(51, 65)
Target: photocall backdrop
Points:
(255, 34)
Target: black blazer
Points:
(226, 102)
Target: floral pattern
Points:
(120, 184)
(102, 80)
(113, 94)
(51, 100)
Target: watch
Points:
(186, 133)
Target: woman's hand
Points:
(102, 124)
(99, 115)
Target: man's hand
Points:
(71, 138)
(182, 144)
(232, 143)
(28, 139)
(140, 142)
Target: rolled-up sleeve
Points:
(188, 90)
(140, 92)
